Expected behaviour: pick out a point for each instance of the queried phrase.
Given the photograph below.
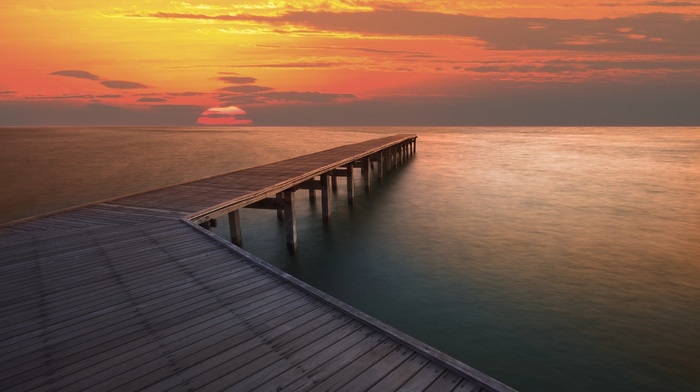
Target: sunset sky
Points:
(335, 62)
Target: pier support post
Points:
(380, 164)
(290, 221)
(280, 210)
(351, 184)
(234, 225)
(367, 173)
(334, 181)
(312, 195)
(326, 197)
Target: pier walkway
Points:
(135, 293)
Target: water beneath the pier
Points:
(551, 259)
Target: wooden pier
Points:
(135, 293)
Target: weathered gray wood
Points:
(350, 183)
(468, 386)
(359, 365)
(325, 198)
(379, 370)
(290, 221)
(269, 203)
(280, 206)
(367, 174)
(379, 157)
(448, 381)
(234, 226)
(334, 181)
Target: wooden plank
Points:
(379, 370)
(359, 365)
(401, 374)
(254, 369)
(337, 351)
(267, 204)
(331, 329)
(424, 378)
(468, 386)
(448, 381)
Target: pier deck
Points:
(133, 293)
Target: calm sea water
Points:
(549, 258)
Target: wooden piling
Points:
(351, 185)
(326, 197)
(312, 191)
(290, 221)
(367, 173)
(234, 225)
(280, 210)
(394, 158)
(380, 166)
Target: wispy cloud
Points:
(72, 96)
(237, 79)
(246, 89)
(306, 96)
(115, 84)
(74, 73)
(151, 99)
(300, 65)
(122, 84)
(187, 94)
(564, 66)
(653, 4)
(340, 48)
(644, 33)
(66, 113)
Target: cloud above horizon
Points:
(247, 89)
(122, 84)
(73, 73)
(653, 4)
(237, 79)
(642, 33)
(151, 99)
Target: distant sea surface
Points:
(552, 259)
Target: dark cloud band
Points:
(121, 84)
(74, 73)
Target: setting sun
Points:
(229, 115)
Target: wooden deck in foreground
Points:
(133, 294)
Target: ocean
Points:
(548, 258)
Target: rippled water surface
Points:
(551, 259)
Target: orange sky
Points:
(160, 62)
